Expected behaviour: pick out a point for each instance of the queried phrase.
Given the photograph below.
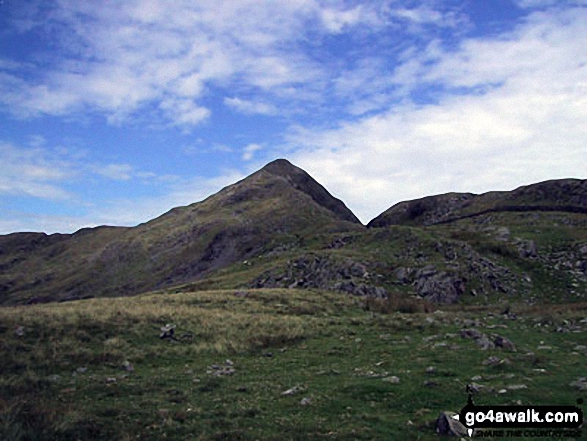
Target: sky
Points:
(114, 112)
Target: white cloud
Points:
(117, 172)
(547, 3)
(527, 122)
(125, 57)
(33, 172)
(249, 151)
(250, 107)
(335, 20)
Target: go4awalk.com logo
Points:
(521, 421)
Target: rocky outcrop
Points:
(463, 271)
(321, 272)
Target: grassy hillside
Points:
(273, 365)
(277, 205)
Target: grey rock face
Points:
(446, 425)
(322, 272)
(438, 286)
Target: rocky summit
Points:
(280, 228)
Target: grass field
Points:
(272, 365)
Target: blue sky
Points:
(113, 112)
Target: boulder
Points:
(167, 332)
(447, 425)
(504, 343)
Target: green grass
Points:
(64, 378)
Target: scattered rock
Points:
(447, 425)
(471, 333)
(167, 332)
(474, 388)
(504, 343)
(493, 361)
(502, 234)
(393, 379)
(516, 387)
(404, 275)
(306, 401)
(292, 391)
(219, 371)
(580, 383)
(485, 343)
(480, 338)
(527, 249)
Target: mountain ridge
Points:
(278, 227)
(564, 195)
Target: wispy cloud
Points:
(249, 151)
(249, 107)
(33, 172)
(508, 111)
(121, 58)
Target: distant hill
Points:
(564, 195)
(278, 204)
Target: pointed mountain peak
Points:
(281, 167)
(302, 181)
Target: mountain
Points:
(274, 207)
(280, 228)
(564, 195)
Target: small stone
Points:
(476, 378)
(580, 383)
(292, 391)
(474, 388)
(111, 380)
(430, 369)
(492, 361)
(167, 331)
(504, 343)
(502, 391)
(306, 401)
(393, 379)
(55, 378)
(517, 387)
(127, 366)
(81, 370)
(19, 332)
